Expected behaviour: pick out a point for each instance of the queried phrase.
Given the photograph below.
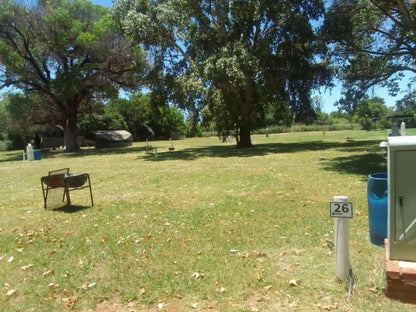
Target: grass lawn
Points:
(206, 227)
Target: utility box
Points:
(402, 197)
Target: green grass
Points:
(205, 227)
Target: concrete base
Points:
(401, 278)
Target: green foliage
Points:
(229, 60)
(135, 114)
(5, 145)
(373, 44)
(369, 111)
(91, 117)
(4, 123)
(113, 120)
(168, 120)
(24, 118)
(407, 105)
(135, 111)
(69, 52)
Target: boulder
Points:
(111, 139)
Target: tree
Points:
(407, 105)
(135, 112)
(68, 52)
(4, 119)
(369, 111)
(373, 41)
(145, 121)
(25, 119)
(230, 59)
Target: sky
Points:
(103, 2)
(331, 96)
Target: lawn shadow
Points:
(12, 156)
(69, 208)
(103, 151)
(369, 161)
(226, 151)
(84, 152)
(363, 164)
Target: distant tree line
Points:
(22, 119)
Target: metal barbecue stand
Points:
(61, 178)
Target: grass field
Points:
(206, 227)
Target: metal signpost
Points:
(341, 210)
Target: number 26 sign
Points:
(340, 209)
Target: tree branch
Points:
(26, 53)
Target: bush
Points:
(5, 145)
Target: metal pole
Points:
(341, 242)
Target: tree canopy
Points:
(67, 51)
(374, 43)
(231, 59)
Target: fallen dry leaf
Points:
(53, 285)
(327, 307)
(70, 301)
(259, 277)
(88, 286)
(10, 292)
(27, 267)
(197, 275)
(47, 273)
(298, 252)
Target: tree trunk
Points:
(70, 135)
(245, 137)
(246, 108)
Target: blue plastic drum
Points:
(37, 155)
(377, 207)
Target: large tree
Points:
(232, 58)
(374, 42)
(67, 51)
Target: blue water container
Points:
(37, 155)
(377, 207)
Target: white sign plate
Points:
(340, 209)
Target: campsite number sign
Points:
(340, 209)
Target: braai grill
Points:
(61, 178)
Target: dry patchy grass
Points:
(206, 227)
